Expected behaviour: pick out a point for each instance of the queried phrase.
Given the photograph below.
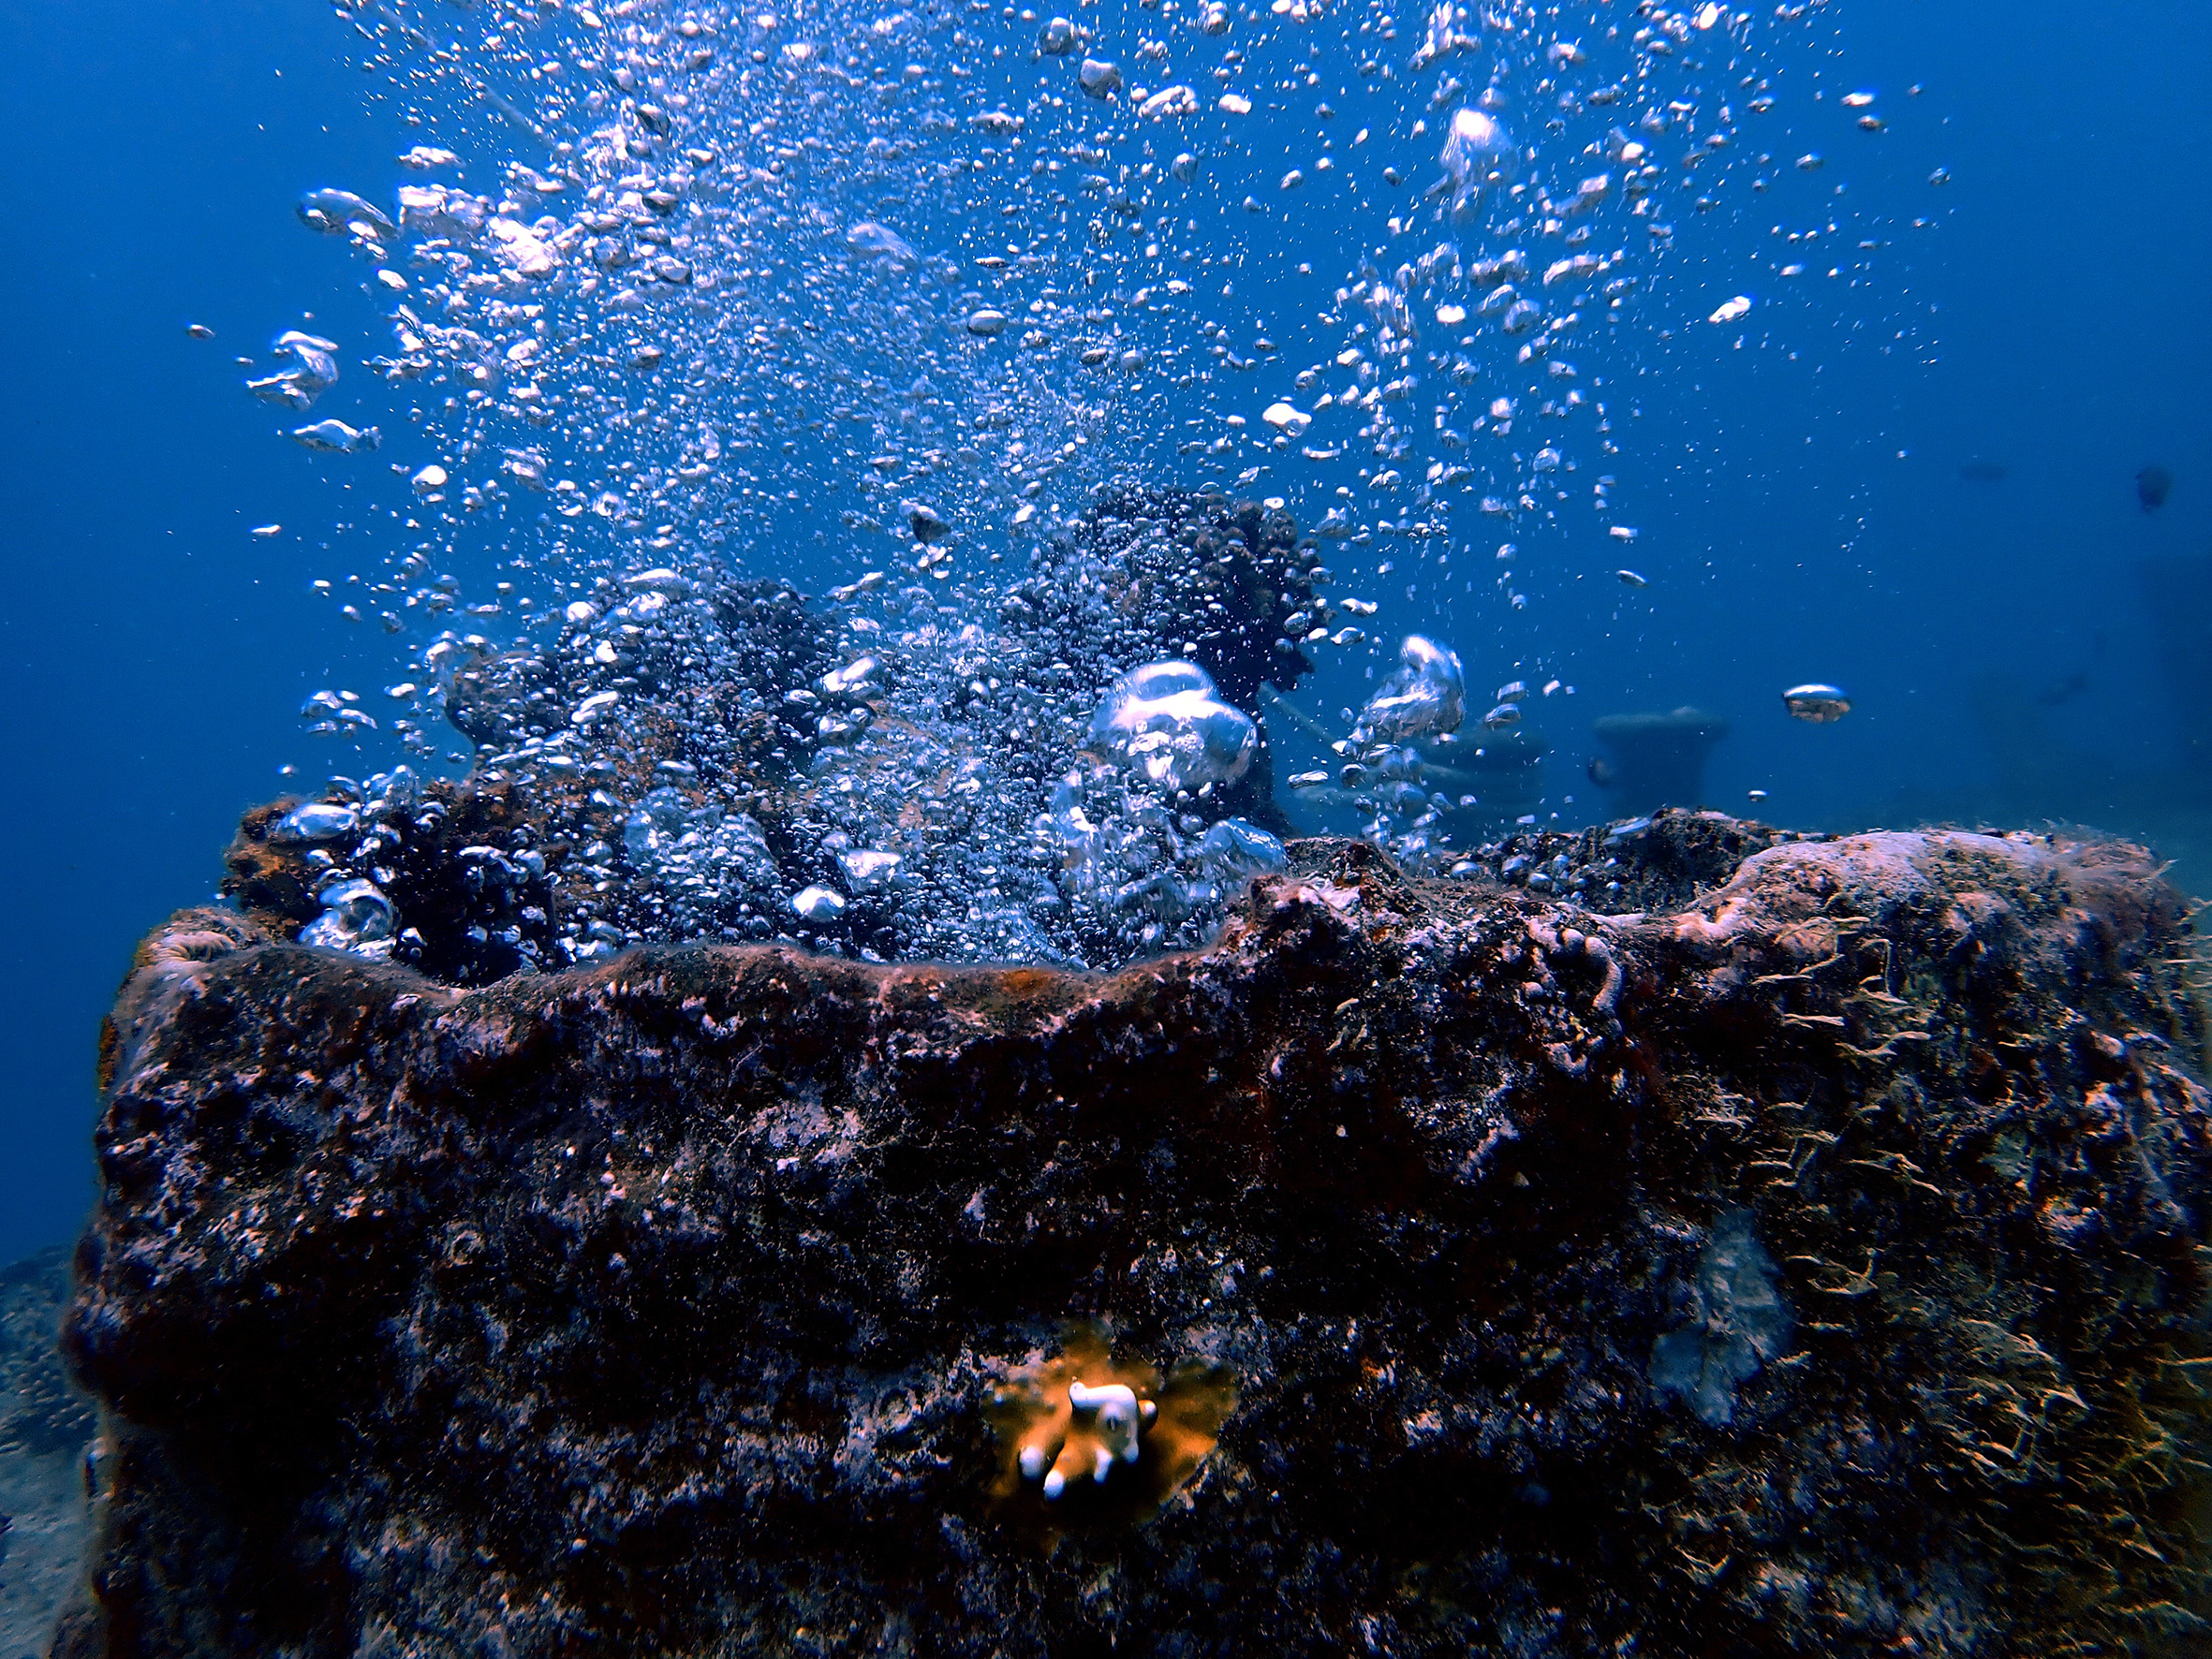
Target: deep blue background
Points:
(155, 652)
(151, 649)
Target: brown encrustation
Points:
(658, 1308)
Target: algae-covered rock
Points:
(1815, 1269)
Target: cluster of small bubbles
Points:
(491, 896)
(1142, 855)
(707, 861)
(364, 840)
(705, 190)
(1421, 790)
(1138, 872)
(906, 298)
(710, 758)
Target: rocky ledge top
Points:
(1815, 1267)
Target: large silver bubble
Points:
(1427, 696)
(356, 916)
(1478, 151)
(1167, 720)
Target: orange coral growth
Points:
(1080, 1455)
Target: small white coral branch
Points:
(1107, 1422)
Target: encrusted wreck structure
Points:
(1809, 1261)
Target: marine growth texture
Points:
(1814, 1264)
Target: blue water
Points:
(1801, 508)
